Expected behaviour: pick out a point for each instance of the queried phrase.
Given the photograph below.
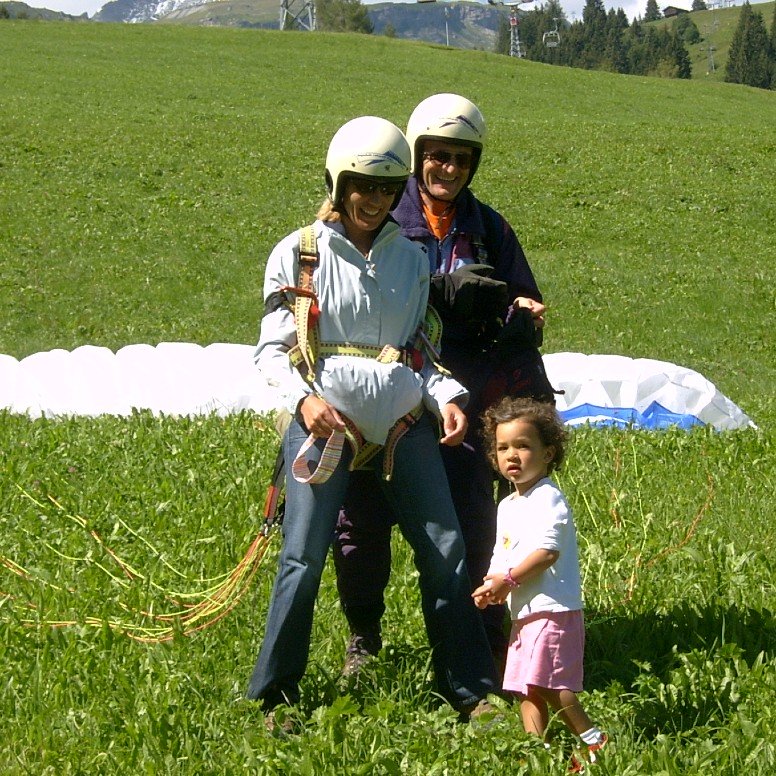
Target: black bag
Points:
(470, 303)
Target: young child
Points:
(535, 565)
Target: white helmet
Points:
(366, 147)
(451, 119)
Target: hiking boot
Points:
(587, 757)
(279, 724)
(482, 713)
(361, 649)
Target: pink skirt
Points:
(546, 650)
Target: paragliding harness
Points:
(303, 356)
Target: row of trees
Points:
(752, 55)
(342, 16)
(600, 41)
(606, 41)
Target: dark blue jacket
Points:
(478, 235)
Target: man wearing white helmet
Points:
(492, 311)
(343, 304)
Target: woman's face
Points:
(366, 202)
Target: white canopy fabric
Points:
(181, 378)
(642, 392)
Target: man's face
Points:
(445, 168)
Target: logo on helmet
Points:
(370, 159)
(461, 120)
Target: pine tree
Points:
(503, 36)
(748, 59)
(681, 57)
(594, 31)
(699, 5)
(615, 53)
(652, 13)
(772, 49)
(686, 29)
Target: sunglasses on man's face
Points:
(370, 187)
(460, 159)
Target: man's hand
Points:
(454, 425)
(537, 309)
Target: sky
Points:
(572, 8)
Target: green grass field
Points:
(145, 173)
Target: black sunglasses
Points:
(370, 187)
(460, 159)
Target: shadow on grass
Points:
(615, 644)
(685, 670)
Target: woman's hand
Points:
(319, 417)
(537, 309)
(454, 425)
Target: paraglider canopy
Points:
(180, 378)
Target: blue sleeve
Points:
(509, 261)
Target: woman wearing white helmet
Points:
(447, 135)
(369, 287)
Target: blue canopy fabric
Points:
(655, 416)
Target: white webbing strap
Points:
(330, 458)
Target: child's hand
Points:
(491, 591)
(498, 590)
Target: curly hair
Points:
(541, 415)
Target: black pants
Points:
(362, 546)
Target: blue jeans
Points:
(420, 498)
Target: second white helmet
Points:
(451, 119)
(366, 147)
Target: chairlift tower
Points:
(711, 51)
(515, 49)
(297, 15)
(709, 29)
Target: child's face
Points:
(522, 457)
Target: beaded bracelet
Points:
(508, 579)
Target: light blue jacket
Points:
(378, 300)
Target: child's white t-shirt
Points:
(539, 519)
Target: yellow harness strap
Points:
(387, 354)
(304, 354)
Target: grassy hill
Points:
(146, 171)
(716, 27)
